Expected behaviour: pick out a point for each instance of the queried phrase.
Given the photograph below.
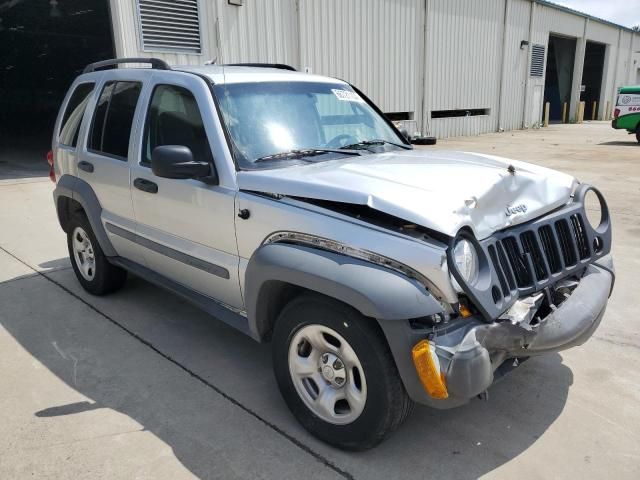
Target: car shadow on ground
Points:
(462, 443)
(631, 143)
(59, 264)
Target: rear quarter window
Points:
(72, 118)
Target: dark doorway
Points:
(559, 75)
(44, 45)
(592, 78)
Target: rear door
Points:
(187, 227)
(104, 159)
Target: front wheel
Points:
(336, 373)
(638, 133)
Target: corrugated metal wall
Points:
(463, 49)
(516, 65)
(412, 56)
(259, 31)
(551, 20)
(372, 45)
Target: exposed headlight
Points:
(466, 259)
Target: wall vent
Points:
(537, 61)
(170, 25)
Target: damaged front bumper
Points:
(472, 353)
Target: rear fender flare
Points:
(80, 191)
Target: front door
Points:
(187, 226)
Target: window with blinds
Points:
(537, 61)
(170, 25)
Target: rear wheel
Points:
(92, 269)
(638, 133)
(336, 373)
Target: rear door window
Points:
(72, 118)
(111, 128)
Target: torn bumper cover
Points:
(472, 353)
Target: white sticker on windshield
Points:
(346, 95)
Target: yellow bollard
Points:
(594, 107)
(580, 118)
(546, 114)
(564, 112)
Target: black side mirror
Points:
(176, 161)
(405, 133)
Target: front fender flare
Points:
(373, 290)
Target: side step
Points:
(209, 305)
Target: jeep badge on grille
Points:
(522, 208)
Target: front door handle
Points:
(145, 185)
(86, 166)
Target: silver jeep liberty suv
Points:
(289, 207)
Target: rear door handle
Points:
(86, 166)
(145, 185)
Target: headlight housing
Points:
(466, 259)
(593, 206)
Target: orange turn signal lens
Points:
(428, 368)
(465, 311)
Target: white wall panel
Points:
(602, 33)
(259, 31)
(552, 20)
(633, 59)
(623, 74)
(373, 45)
(463, 51)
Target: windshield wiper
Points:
(376, 141)
(305, 152)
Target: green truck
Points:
(627, 112)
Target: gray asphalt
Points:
(141, 384)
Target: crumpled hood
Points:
(438, 189)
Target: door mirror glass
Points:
(176, 161)
(405, 133)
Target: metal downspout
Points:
(503, 70)
(425, 124)
(527, 91)
(615, 74)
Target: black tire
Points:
(107, 278)
(638, 133)
(387, 404)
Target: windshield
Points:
(268, 119)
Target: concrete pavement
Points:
(141, 384)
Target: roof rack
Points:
(281, 66)
(155, 63)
